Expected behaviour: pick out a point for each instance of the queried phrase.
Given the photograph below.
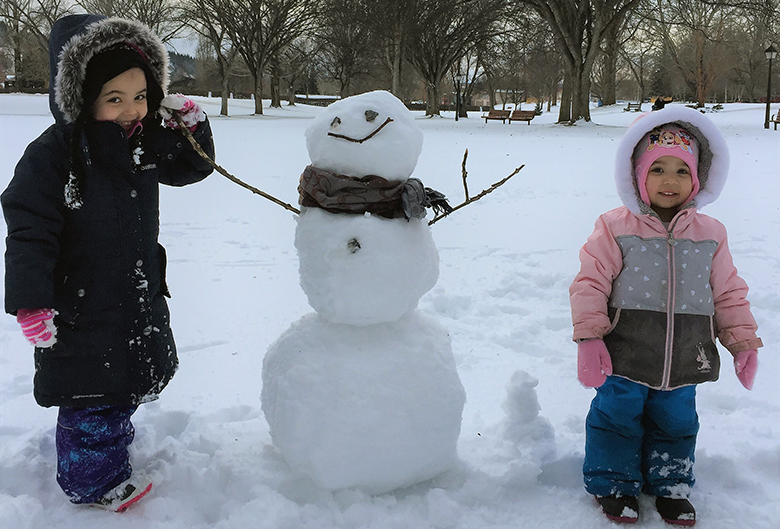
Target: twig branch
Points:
(477, 197)
(223, 172)
(464, 173)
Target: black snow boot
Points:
(620, 509)
(676, 511)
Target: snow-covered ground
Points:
(506, 264)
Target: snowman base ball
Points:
(374, 407)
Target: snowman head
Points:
(367, 134)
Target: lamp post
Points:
(770, 54)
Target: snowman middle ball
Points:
(363, 269)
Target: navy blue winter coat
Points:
(100, 266)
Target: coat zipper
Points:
(670, 304)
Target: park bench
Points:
(633, 107)
(522, 115)
(776, 119)
(503, 115)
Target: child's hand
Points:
(188, 110)
(746, 365)
(593, 362)
(38, 326)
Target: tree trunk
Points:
(18, 69)
(225, 66)
(259, 94)
(291, 92)
(609, 73)
(564, 110)
(433, 105)
(575, 100)
(702, 86)
(276, 89)
(580, 95)
(223, 111)
(276, 93)
(396, 68)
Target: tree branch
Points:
(223, 172)
(477, 197)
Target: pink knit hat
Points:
(666, 140)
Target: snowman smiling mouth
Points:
(355, 140)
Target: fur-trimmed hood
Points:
(713, 164)
(76, 39)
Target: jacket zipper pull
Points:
(669, 235)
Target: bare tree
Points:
(261, 28)
(345, 39)
(694, 34)
(391, 22)
(443, 33)
(751, 34)
(522, 60)
(615, 38)
(640, 52)
(27, 27)
(504, 57)
(471, 68)
(203, 17)
(296, 62)
(579, 27)
(159, 15)
(544, 67)
(109, 8)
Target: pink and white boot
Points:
(125, 494)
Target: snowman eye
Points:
(335, 123)
(371, 115)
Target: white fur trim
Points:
(97, 36)
(713, 154)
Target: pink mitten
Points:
(187, 109)
(746, 365)
(593, 362)
(38, 326)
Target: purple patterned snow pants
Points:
(92, 456)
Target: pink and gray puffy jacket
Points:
(659, 296)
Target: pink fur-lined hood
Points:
(713, 163)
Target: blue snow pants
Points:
(640, 440)
(92, 455)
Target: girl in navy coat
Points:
(85, 274)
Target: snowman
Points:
(364, 393)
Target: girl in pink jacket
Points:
(656, 286)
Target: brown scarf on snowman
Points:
(368, 194)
